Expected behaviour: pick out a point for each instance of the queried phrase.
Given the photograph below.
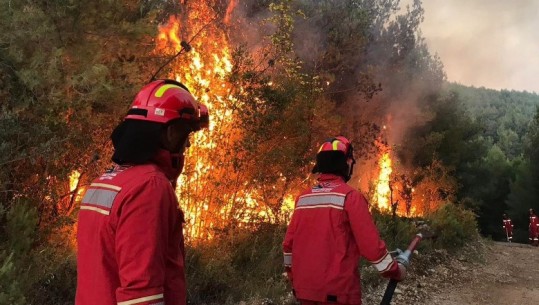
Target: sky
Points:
(485, 43)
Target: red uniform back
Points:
(330, 230)
(130, 240)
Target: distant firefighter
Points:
(534, 228)
(508, 227)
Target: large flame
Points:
(211, 190)
(383, 190)
(393, 188)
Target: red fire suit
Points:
(130, 238)
(508, 227)
(330, 229)
(534, 229)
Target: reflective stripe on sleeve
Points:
(322, 200)
(287, 259)
(383, 264)
(95, 209)
(106, 186)
(99, 197)
(143, 299)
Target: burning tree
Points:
(262, 124)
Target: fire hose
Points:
(403, 258)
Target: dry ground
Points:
(506, 274)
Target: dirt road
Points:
(505, 274)
(509, 275)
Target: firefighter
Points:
(330, 230)
(130, 237)
(508, 227)
(534, 229)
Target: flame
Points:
(211, 191)
(73, 180)
(74, 186)
(382, 187)
(393, 189)
(231, 6)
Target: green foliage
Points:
(397, 232)
(237, 265)
(450, 135)
(494, 174)
(18, 227)
(525, 185)
(454, 227)
(55, 281)
(29, 272)
(11, 292)
(504, 115)
(485, 139)
(63, 83)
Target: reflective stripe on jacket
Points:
(330, 229)
(130, 240)
(534, 228)
(508, 227)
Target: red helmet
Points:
(165, 100)
(204, 119)
(334, 156)
(339, 143)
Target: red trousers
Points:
(304, 302)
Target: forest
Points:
(279, 77)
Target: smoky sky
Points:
(490, 43)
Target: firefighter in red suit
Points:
(330, 230)
(534, 228)
(130, 239)
(508, 227)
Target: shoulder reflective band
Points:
(287, 259)
(321, 200)
(383, 264)
(99, 198)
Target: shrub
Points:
(454, 226)
(18, 230)
(396, 232)
(30, 272)
(237, 265)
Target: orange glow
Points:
(73, 180)
(212, 190)
(382, 190)
(203, 71)
(231, 6)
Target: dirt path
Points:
(508, 276)
(490, 273)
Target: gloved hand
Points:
(403, 259)
(402, 272)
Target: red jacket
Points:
(130, 239)
(330, 230)
(508, 227)
(534, 228)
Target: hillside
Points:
(505, 115)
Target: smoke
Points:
(490, 43)
(376, 60)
